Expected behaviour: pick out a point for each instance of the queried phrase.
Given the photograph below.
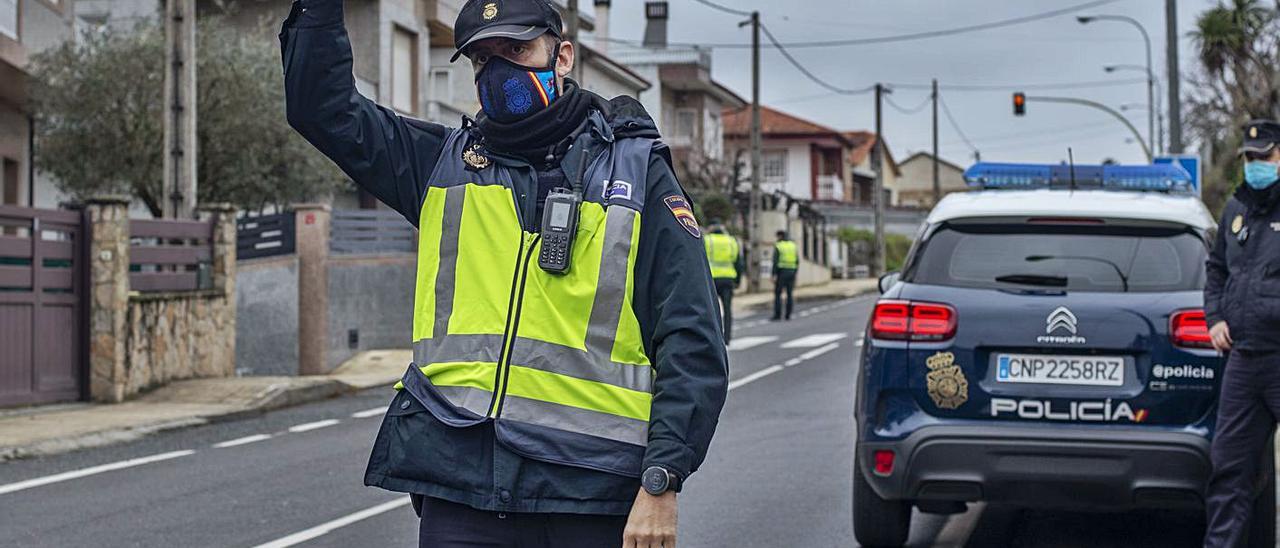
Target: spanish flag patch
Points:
(684, 214)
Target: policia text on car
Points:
(565, 338)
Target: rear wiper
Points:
(1033, 279)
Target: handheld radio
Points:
(559, 224)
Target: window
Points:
(774, 165)
(9, 18)
(404, 70)
(441, 85)
(686, 120)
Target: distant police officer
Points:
(725, 257)
(568, 362)
(1242, 305)
(786, 261)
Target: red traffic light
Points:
(1019, 103)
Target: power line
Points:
(725, 9)
(886, 39)
(1014, 87)
(808, 73)
(954, 125)
(911, 110)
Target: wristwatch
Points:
(658, 480)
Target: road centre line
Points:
(756, 376)
(242, 441)
(369, 413)
(818, 352)
(816, 339)
(46, 480)
(330, 526)
(779, 367)
(305, 427)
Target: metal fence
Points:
(265, 235)
(170, 255)
(370, 231)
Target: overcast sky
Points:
(1047, 51)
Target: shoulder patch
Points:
(683, 213)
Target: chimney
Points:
(602, 25)
(655, 30)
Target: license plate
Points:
(1044, 369)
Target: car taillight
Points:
(913, 321)
(883, 462)
(1189, 329)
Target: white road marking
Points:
(860, 342)
(312, 425)
(791, 362)
(369, 413)
(818, 352)
(816, 339)
(329, 526)
(744, 343)
(46, 480)
(755, 376)
(242, 441)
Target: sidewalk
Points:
(835, 289)
(47, 430)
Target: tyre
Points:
(877, 523)
(1262, 525)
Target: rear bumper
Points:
(1044, 467)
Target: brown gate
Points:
(42, 299)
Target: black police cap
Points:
(511, 19)
(1260, 136)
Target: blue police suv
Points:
(1043, 346)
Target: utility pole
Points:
(179, 178)
(877, 160)
(753, 214)
(1171, 57)
(937, 183)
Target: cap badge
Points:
(490, 11)
(1253, 132)
(1237, 224)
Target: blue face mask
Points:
(510, 92)
(1260, 175)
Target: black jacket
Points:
(1243, 283)
(391, 157)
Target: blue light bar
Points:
(1143, 178)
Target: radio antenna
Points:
(1071, 166)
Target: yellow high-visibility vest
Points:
(788, 256)
(722, 254)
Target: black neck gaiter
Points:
(532, 137)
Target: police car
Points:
(1044, 346)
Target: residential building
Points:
(27, 27)
(864, 172)
(685, 101)
(915, 187)
(798, 157)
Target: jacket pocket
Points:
(1269, 285)
(416, 446)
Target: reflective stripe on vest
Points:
(559, 351)
(722, 253)
(788, 258)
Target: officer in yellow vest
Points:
(568, 365)
(726, 269)
(786, 261)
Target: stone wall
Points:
(142, 340)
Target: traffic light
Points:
(1019, 103)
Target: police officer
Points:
(725, 257)
(1242, 306)
(786, 261)
(568, 363)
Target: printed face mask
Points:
(1260, 175)
(510, 92)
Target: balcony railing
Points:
(830, 188)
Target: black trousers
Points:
(1247, 411)
(724, 288)
(785, 281)
(450, 525)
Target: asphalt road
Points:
(779, 473)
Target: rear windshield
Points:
(1068, 258)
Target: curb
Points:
(275, 397)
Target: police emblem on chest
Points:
(948, 388)
(1237, 224)
(474, 158)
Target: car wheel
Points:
(1262, 526)
(877, 522)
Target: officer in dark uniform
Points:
(1242, 307)
(505, 431)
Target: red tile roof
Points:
(773, 123)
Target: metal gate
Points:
(43, 355)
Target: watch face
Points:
(655, 480)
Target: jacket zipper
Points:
(514, 307)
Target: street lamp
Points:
(1151, 122)
(1152, 109)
